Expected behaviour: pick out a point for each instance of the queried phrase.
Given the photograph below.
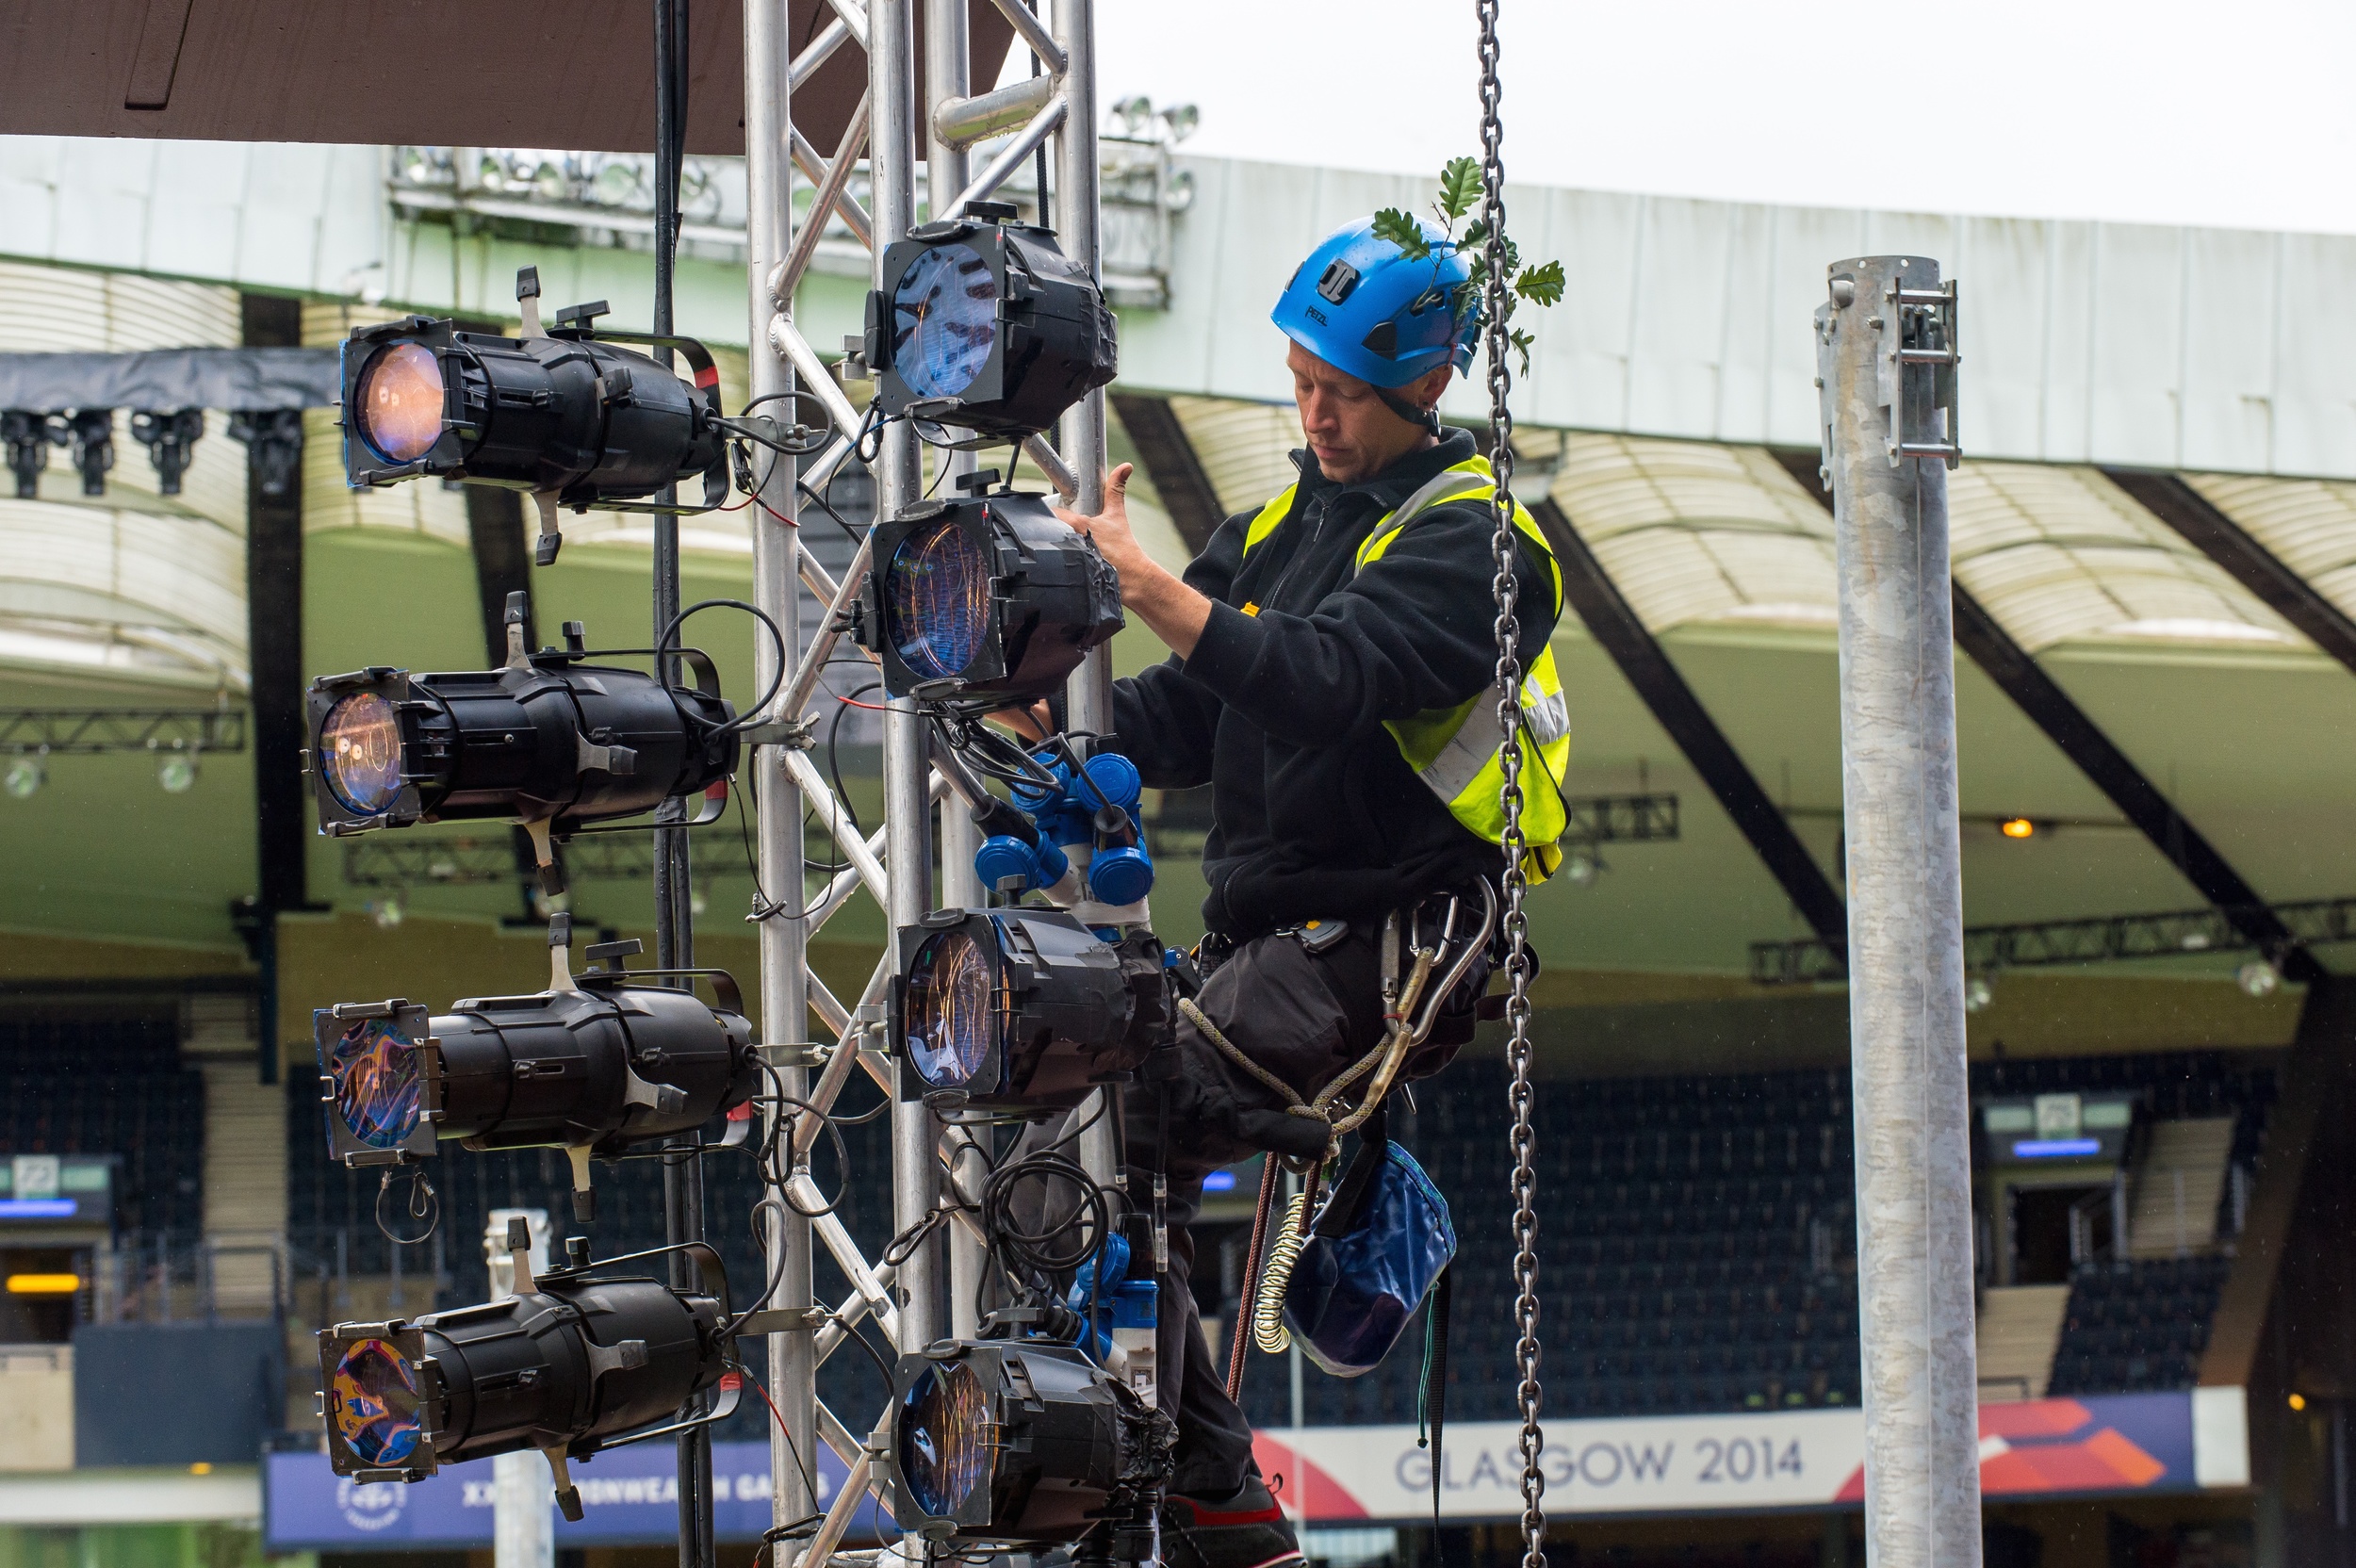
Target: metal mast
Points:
(1886, 358)
(776, 543)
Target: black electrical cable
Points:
(663, 645)
(834, 761)
(820, 502)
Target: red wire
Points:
(871, 707)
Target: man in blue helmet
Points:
(1331, 681)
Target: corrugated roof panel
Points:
(92, 577)
(1244, 448)
(57, 309)
(1693, 532)
(2060, 553)
(2309, 525)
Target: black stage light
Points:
(578, 1360)
(986, 598)
(26, 435)
(566, 416)
(984, 324)
(616, 1059)
(1022, 1009)
(1022, 1443)
(171, 440)
(91, 432)
(549, 738)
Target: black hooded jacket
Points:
(1280, 706)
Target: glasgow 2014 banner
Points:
(2089, 1446)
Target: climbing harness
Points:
(1509, 685)
(1406, 1024)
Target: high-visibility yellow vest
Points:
(1455, 750)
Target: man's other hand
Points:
(1031, 723)
(1176, 612)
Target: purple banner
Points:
(629, 1496)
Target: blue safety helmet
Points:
(1364, 308)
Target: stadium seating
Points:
(1695, 1250)
(1697, 1244)
(2135, 1327)
(113, 1086)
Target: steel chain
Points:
(1506, 550)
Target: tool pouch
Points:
(1372, 1255)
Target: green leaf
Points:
(1401, 230)
(1460, 187)
(1467, 302)
(1476, 234)
(1522, 341)
(1540, 285)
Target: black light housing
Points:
(547, 738)
(1021, 1008)
(984, 324)
(171, 441)
(25, 433)
(1022, 1442)
(567, 415)
(986, 598)
(618, 1060)
(578, 1360)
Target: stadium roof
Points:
(576, 74)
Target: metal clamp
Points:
(1918, 328)
(796, 734)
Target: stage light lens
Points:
(360, 753)
(952, 1009)
(938, 599)
(944, 320)
(376, 1403)
(944, 1438)
(401, 402)
(378, 1076)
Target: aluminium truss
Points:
(906, 1294)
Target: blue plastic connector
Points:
(1121, 876)
(1039, 865)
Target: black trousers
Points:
(1304, 1017)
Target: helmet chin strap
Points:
(1427, 420)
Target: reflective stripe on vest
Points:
(1455, 750)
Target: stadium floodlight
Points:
(548, 739)
(26, 773)
(171, 441)
(983, 324)
(611, 1060)
(563, 416)
(987, 599)
(578, 1360)
(1022, 1443)
(1022, 1009)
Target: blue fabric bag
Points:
(1378, 1244)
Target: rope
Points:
(1388, 1053)
(1251, 1279)
(1506, 551)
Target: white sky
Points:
(2238, 115)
